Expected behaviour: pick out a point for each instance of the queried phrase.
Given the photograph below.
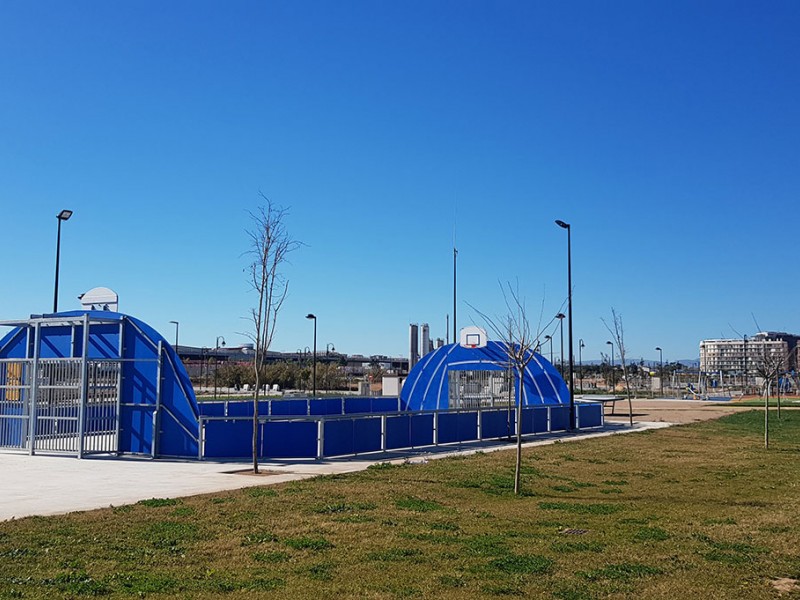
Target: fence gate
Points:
(60, 405)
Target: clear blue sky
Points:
(667, 133)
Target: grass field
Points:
(697, 511)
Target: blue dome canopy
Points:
(434, 380)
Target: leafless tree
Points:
(270, 244)
(617, 331)
(769, 367)
(519, 343)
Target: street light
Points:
(216, 362)
(661, 369)
(572, 420)
(613, 381)
(560, 317)
(176, 335)
(581, 346)
(314, 357)
(64, 215)
(329, 348)
(548, 337)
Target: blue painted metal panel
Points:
(290, 407)
(398, 431)
(212, 409)
(367, 434)
(591, 415)
(339, 437)
(421, 429)
(228, 439)
(497, 423)
(559, 418)
(240, 409)
(457, 427)
(388, 404)
(540, 420)
(357, 405)
(136, 429)
(290, 439)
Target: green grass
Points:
(698, 511)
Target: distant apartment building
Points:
(745, 355)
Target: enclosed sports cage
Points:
(94, 382)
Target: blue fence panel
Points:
(422, 430)
(540, 423)
(357, 405)
(294, 408)
(367, 434)
(228, 439)
(338, 437)
(241, 408)
(326, 406)
(398, 431)
(559, 418)
(388, 404)
(457, 427)
(497, 423)
(290, 439)
(212, 409)
(591, 415)
(528, 420)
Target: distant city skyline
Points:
(664, 133)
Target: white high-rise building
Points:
(425, 347)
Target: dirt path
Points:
(672, 411)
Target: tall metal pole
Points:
(455, 335)
(176, 335)
(560, 318)
(572, 419)
(661, 369)
(58, 256)
(314, 357)
(64, 215)
(581, 346)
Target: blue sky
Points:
(666, 133)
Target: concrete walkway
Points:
(47, 485)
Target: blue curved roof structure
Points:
(95, 382)
(427, 385)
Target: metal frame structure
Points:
(93, 382)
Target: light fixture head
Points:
(311, 316)
(562, 224)
(547, 337)
(658, 348)
(560, 316)
(612, 343)
(64, 215)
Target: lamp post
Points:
(661, 369)
(314, 357)
(568, 227)
(581, 346)
(560, 317)
(176, 335)
(613, 381)
(550, 338)
(744, 369)
(216, 362)
(64, 215)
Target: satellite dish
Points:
(100, 298)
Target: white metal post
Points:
(33, 390)
(84, 384)
(157, 412)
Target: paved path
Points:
(46, 485)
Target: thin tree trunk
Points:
(518, 465)
(766, 417)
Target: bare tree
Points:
(617, 331)
(769, 367)
(519, 344)
(270, 244)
